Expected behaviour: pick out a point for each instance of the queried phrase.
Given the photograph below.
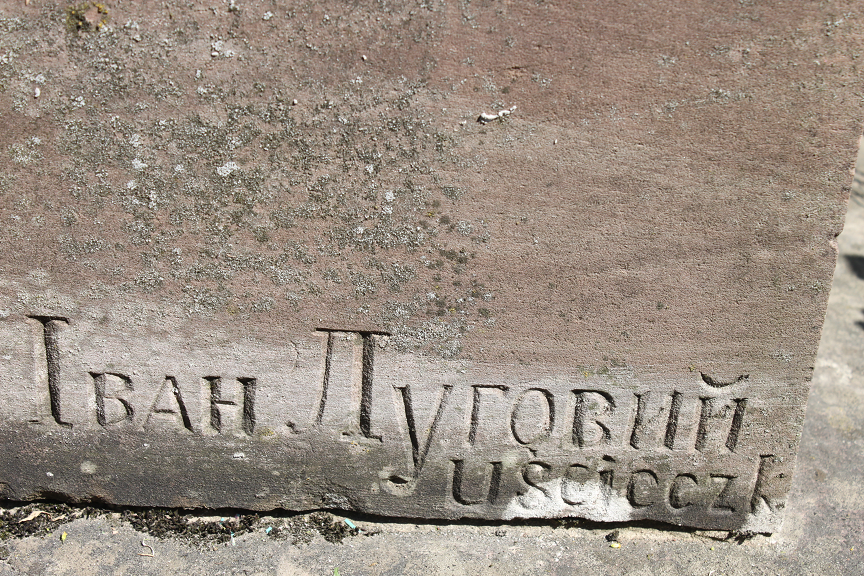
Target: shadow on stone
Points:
(856, 263)
(23, 519)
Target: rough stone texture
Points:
(265, 255)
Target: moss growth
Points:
(45, 518)
(40, 519)
(163, 523)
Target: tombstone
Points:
(433, 260)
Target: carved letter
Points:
(417, 453)
(583, 485)
(533, 403)
(766, 483)
(672, 423)
(111, 386)
(535, 474)
(737, 422)
(639, 423)
(607, 475)
(709, 413)
(681, 491)
(458, 483)
(366, 386)
(475, 408)
(230, 412)
(367, 370)
(642, 489)
(328, 356)
(163, 404)
(575, 486)
(590, 424)
(722, 501)
(663, 420)
(50, 326)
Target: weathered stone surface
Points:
(269, 255)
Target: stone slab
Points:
(429, 260)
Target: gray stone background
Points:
(821, 533)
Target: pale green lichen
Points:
(224, 197)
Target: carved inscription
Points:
(367, 371)
(589, 484)
(170, 405)
(488, 492)
(719, 424)
(112, 406)
(575, 446)
(533, 417)
(590, 421)
(420, 446)
(232, 404)
(50, 327)
(479, 393)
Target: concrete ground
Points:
(822, 533)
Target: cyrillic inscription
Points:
(170, 406)
(419, 445)
(50, 327)
(590, 421)
(479, 392)
(112, 406)
(533, 417)
(232, 404)
(523, 448)
(367, 370)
